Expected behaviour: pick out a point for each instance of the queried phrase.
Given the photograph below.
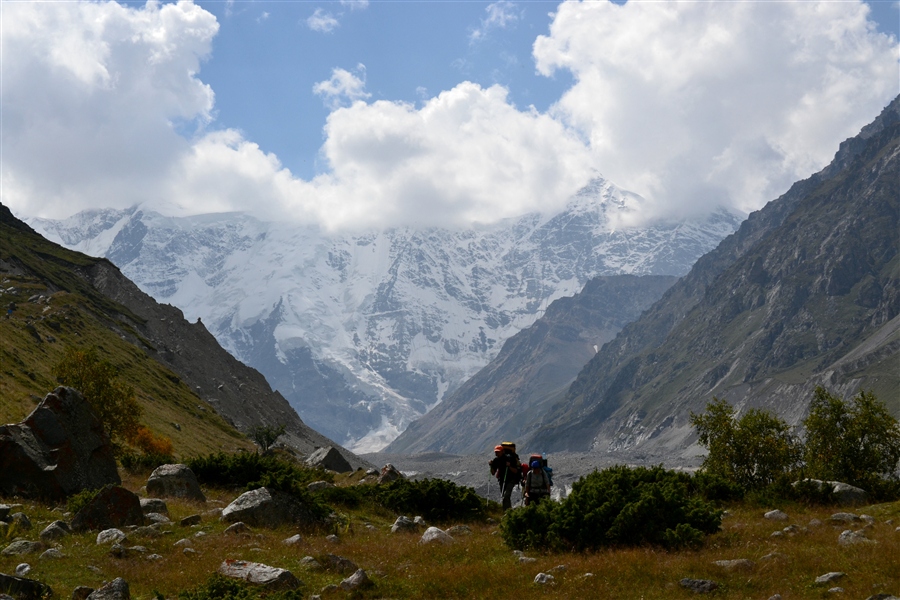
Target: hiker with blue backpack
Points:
(537, 478)
(505, 467)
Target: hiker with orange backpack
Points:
(505, 467)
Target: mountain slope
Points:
(806, 292)
(532, 369)
(191, 389)
(364, 332)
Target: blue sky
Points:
(374, 113)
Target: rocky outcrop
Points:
(806, 285)
(59, 449)
(265, 507)
(175, 481)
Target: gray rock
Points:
(457, 530)
(699, 586)
(776, 515)
(308, 562)
(21, 521)
(58, 450)
(829, 577)
(111, 536)
(843, 517)
(239, 528)
(332, 562)
(50, 554)
(272, 578)
(184, 543)
(525, 560)
(82, 592)
(420, 521)
(154, 505)
(55, 531)
(157, 518)
(836, 590)
(175, 481)
(358, 580)
(854, 538)
(775, 597)
(21, 547)
(868, 519)
(334, 539)
(845, 493)
(117, 589)
(814, 523)
(435, 535)
(389, 473)
(403, 524)
(738, 564)
(294, 540)
(543, 578)
(264, 507)
(315, 486)
(23, 569)
(112, 507)
(191, 520)
(330, 459)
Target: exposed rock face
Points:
(533, 367)
(59, 449)
(113, 507)
(808, 284)
(329, 458)
(272, 578)
(175, 481)
(264, 507)
(24, 589)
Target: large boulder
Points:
(174, 481)
(330, 459)
(843, 493)
(112, 507)
(23, 589)
(60, 449)
(265, 507)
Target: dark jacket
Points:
(506, 467)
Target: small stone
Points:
(868, 519)
(110, 536)
(775, 597)
(543, 578)
(699, 586)
(50, 554)
(791, 529)
(117, 589)
(22, 547)
(518, 553)
(339, 564)
(157, 518)
(403, 524)
(420, 522)
(843, 517)
(82, 592)
(777, 534)
(237, 528)
(853, 538)
(55, 531)
(775, 515)
(738, 564)
(526, 560)
(184, 543)
(836, 590)
(191, 520)
(333, 539)
(559, 569)
(154, 505)
(23, 569)
(815, 523)
(200, 534)
(460, 530)
(294, 540)
(154, 557)
(358, 580)
(829, 577)
(308, 562)
(189, 552)
(433, 534)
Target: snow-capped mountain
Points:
(364, 332)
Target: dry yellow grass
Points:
(480, 566)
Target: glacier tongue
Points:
(363, 333)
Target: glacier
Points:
(363, 332)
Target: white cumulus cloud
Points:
(322, 21)
(500, 15)
(343, 87)
(699, 103)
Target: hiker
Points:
(537, 483)
(505, 467)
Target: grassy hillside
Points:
(56, 309)
(478, 564)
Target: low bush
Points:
(249, 470)
(618, 506)
(139, 462)
(223, 588)
(435, 500)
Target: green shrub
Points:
(435, 500)
(250, 470)
(218, 587)
(78, 501)
(140, 462)
(618, 506)
(752, 451)
(856, 441)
